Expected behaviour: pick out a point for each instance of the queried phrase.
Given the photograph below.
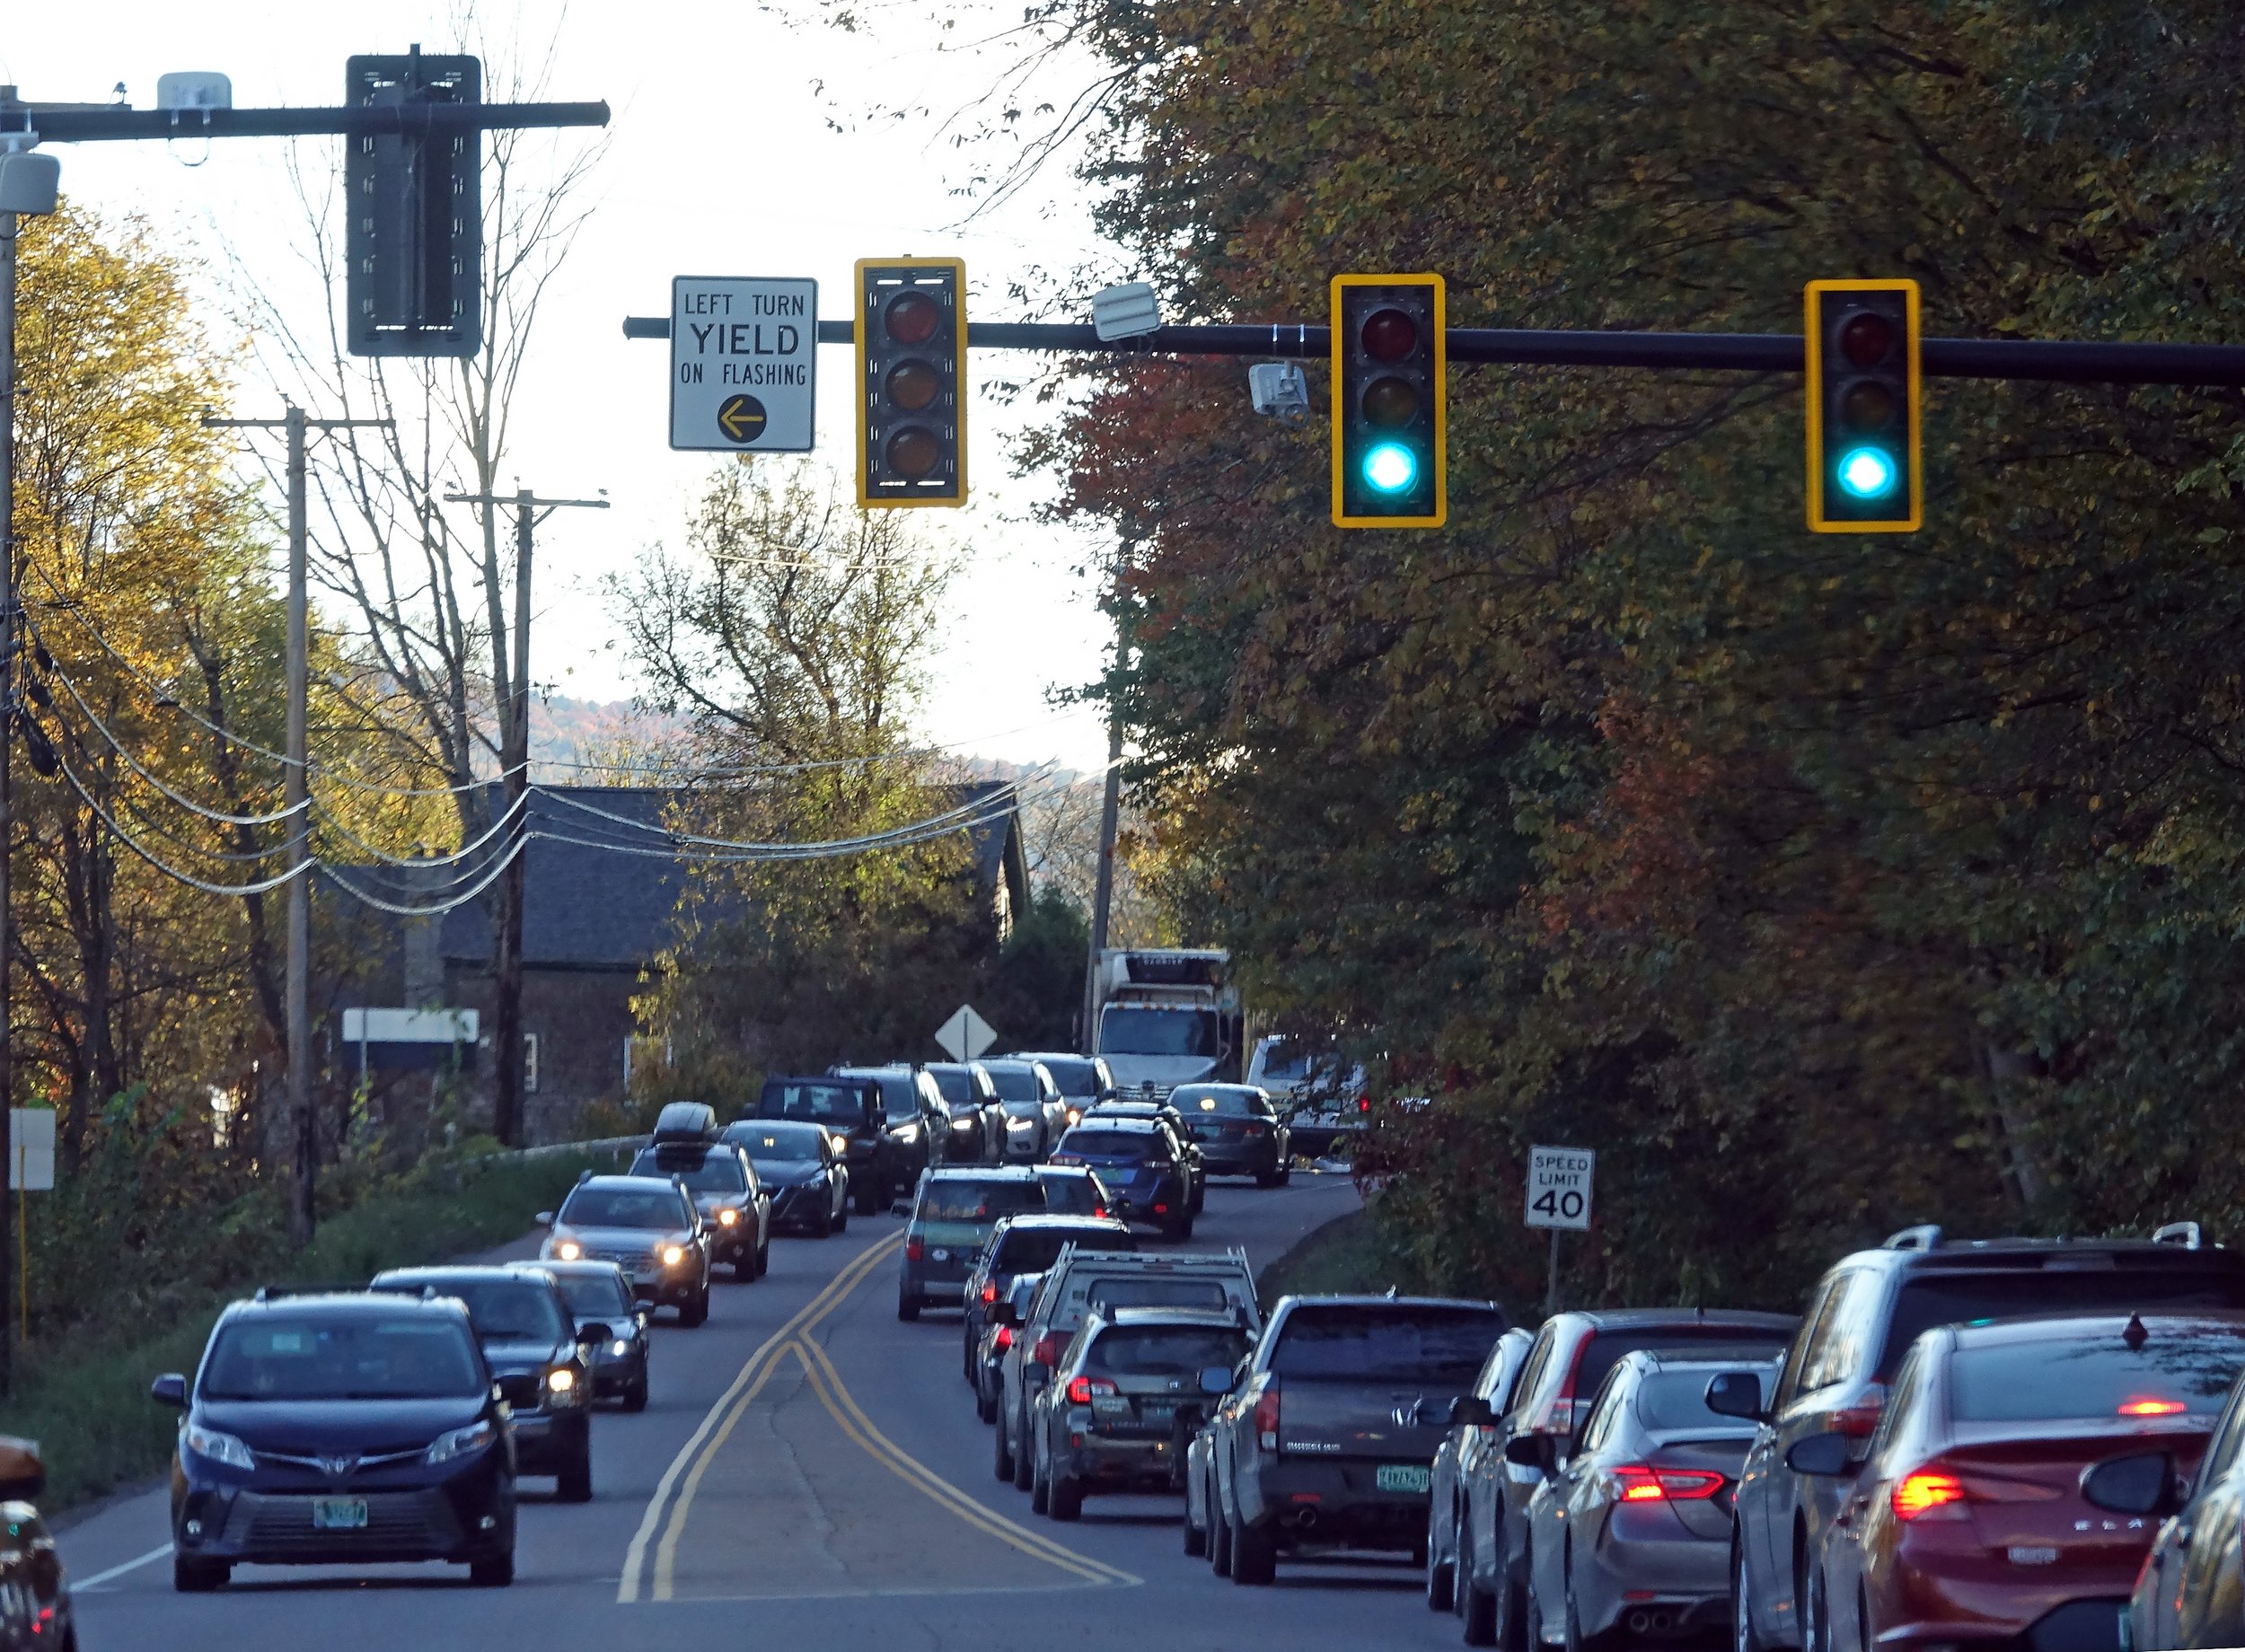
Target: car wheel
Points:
(1742, 1636)
(1573, 1626)
(1816, 1616)
(985, 1406)
(1266, 1178)
(841, 1217)
(1064, 1498)
(1285, 1172)
(635, 1396)
(199, 1577)
(695, 1314)
(1040, 1485)
(1476, 1606)
(1195, 1536)
(573, 1484)
(1254, 1555)
(494, 1572)
(1219, 1539)
(1441, 1572)
(1022, 1466)
(825, 1228)
(1002, 1464)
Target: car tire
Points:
(763, 1256)
(1002, 1466)
(1532, 1625)
(1177, 1229)
(1195, 1536)
(573, 1484)
(868, 1198)
(1040, 1488)
(1441, 1574)
(907, 1306)
(1254, 1555)
(1064, 1498)
(1219, 1538)
(1476, 1606)
(1023, 1468)
(1574, 1640)
(493, 1571)
(825, 1228)
(842, 1217)
(1742, 1636)
(1266, 1178)
(190, 1577)
(1285, 1172)
(695, 1314)
(635, 1397)
(1816, 1612)
(985, 1407)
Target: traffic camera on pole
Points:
(413, 212)
(1390, 424)
(911, 370)
(1864, 446)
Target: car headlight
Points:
(1075, 1115)
(673, 1254)
(620, 1348)
(1019, 1124)
(727, 1216)
(218, 1447)
(561, 1385)
(460, 1442)
(567, 1250)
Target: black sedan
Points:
(540, 1357)
(807, 1179)
(600, 1298)
(1238, 1130)
(340, 1429)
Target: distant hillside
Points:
(567, 734)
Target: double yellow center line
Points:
(667, 1510)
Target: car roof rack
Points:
(1925, 1236)
(281, 1293)
(2185, 1234)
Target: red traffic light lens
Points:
(1866, 340)
(914, 385)
(914, 452)
(1390, 401)
(912, 318)
(1388, 335)
(1867, 405)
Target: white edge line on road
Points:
(80, 1586)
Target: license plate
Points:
(339, 1513)
(1402, 1476)
(1110, 1405)
(1158, 1410)
(941, 1256)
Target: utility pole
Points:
(506, 940)
(297, 991)
(1109, 811)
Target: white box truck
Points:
(1166, 1016)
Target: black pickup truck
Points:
(1328, 1440)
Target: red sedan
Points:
(1977, 1516)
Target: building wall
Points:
(580, 1019)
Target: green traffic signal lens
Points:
(1390, 467)
(1390, 403)
(914, 452)
(1868, 472)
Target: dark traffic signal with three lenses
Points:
(1390, 427)
(911, 361)
(1864, 474)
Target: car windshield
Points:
(1015, 1083)
(1929, 1299)
(1032, 1249)
(1377, 1343)
(1152, 1291)
(2174, 1372)
(956, 1085)
(964, 1199)
(1074, 1075)
(1132, 1031)
(592, 1295)
(1224, 1101)
(1073, 1192)
(779, 1141)
(1136, 1145)
(820, 1103)
(1290, 1062)
(609, 1207)
(715, 1172)
(1677, 1399)
(342, 1357)
(1164, 1350)
(503, 1310)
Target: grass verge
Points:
(1351, 1254)
(85, 1398)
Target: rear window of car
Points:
(955, 1086)
(820, 1103)
(1074, 1077)
(1928, 1298)
(1015, 1083)
(1604, 1348)
(589, 1294)
(1138, 1145)
(1225, 1103)
(1672, 1401)
(1073, 1192)
(1036, 1250)
(505, 1310)
(1153, 1291)
(716, 1173)
(967, 1199)
(658, 1206)
(1375, 1343)
(353, 1356)
(2173, 1373)
(1164, 1350)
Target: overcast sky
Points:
(722, 159)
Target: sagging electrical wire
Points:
(439, 908)
(263, 886)
(1007, 791)
(466, 851)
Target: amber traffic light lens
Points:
(1866, 340)
(1389, 335)
(914, 385)
(1867, 406)
(913, 453)
(912, 318)
(1390, 401)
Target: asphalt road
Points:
(809, 1472)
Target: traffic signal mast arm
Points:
(80, 125)
(2053, 361)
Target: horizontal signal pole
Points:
(80, 125)
(2048, 361)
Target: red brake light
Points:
(913, 1249)
(1047, 1352)
(1098, 1211)
(1641, 1483)
(1267, 1415)
(1081, 1389)
(1161, 1210)
(1005, 1337)
(1364, 1103)
(990, 1292)
(1860, 1420)
(1928, 1492)
(2150, 1408)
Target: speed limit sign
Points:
(1559, 1187)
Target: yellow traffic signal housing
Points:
(1390, 415)
(912, 382)
(1866, 473)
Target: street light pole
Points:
(506, 959)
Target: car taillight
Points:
(1047, 1352)
(1860, 1420)
(1081, 1389)
(913, 1249)
(1364, 1103)
(1928, 1494)
(989, 1293)
(1065, 1158)
(1642, 1483)
(1161, 1210)
(1098, 1212)
(1267, 1415)
(1005, 1338)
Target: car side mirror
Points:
(638, 1317)
(1216, 1379)
(545, 1218)
(2142, 1484)
(596, 1331)
(1534, 1450)
(1736, 1394)
(1471, 1411)
(1829, 1452)
(169, 1389)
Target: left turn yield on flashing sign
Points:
(744, 362)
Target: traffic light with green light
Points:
(1391, 423)
(1865, 470)
(912, 378)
